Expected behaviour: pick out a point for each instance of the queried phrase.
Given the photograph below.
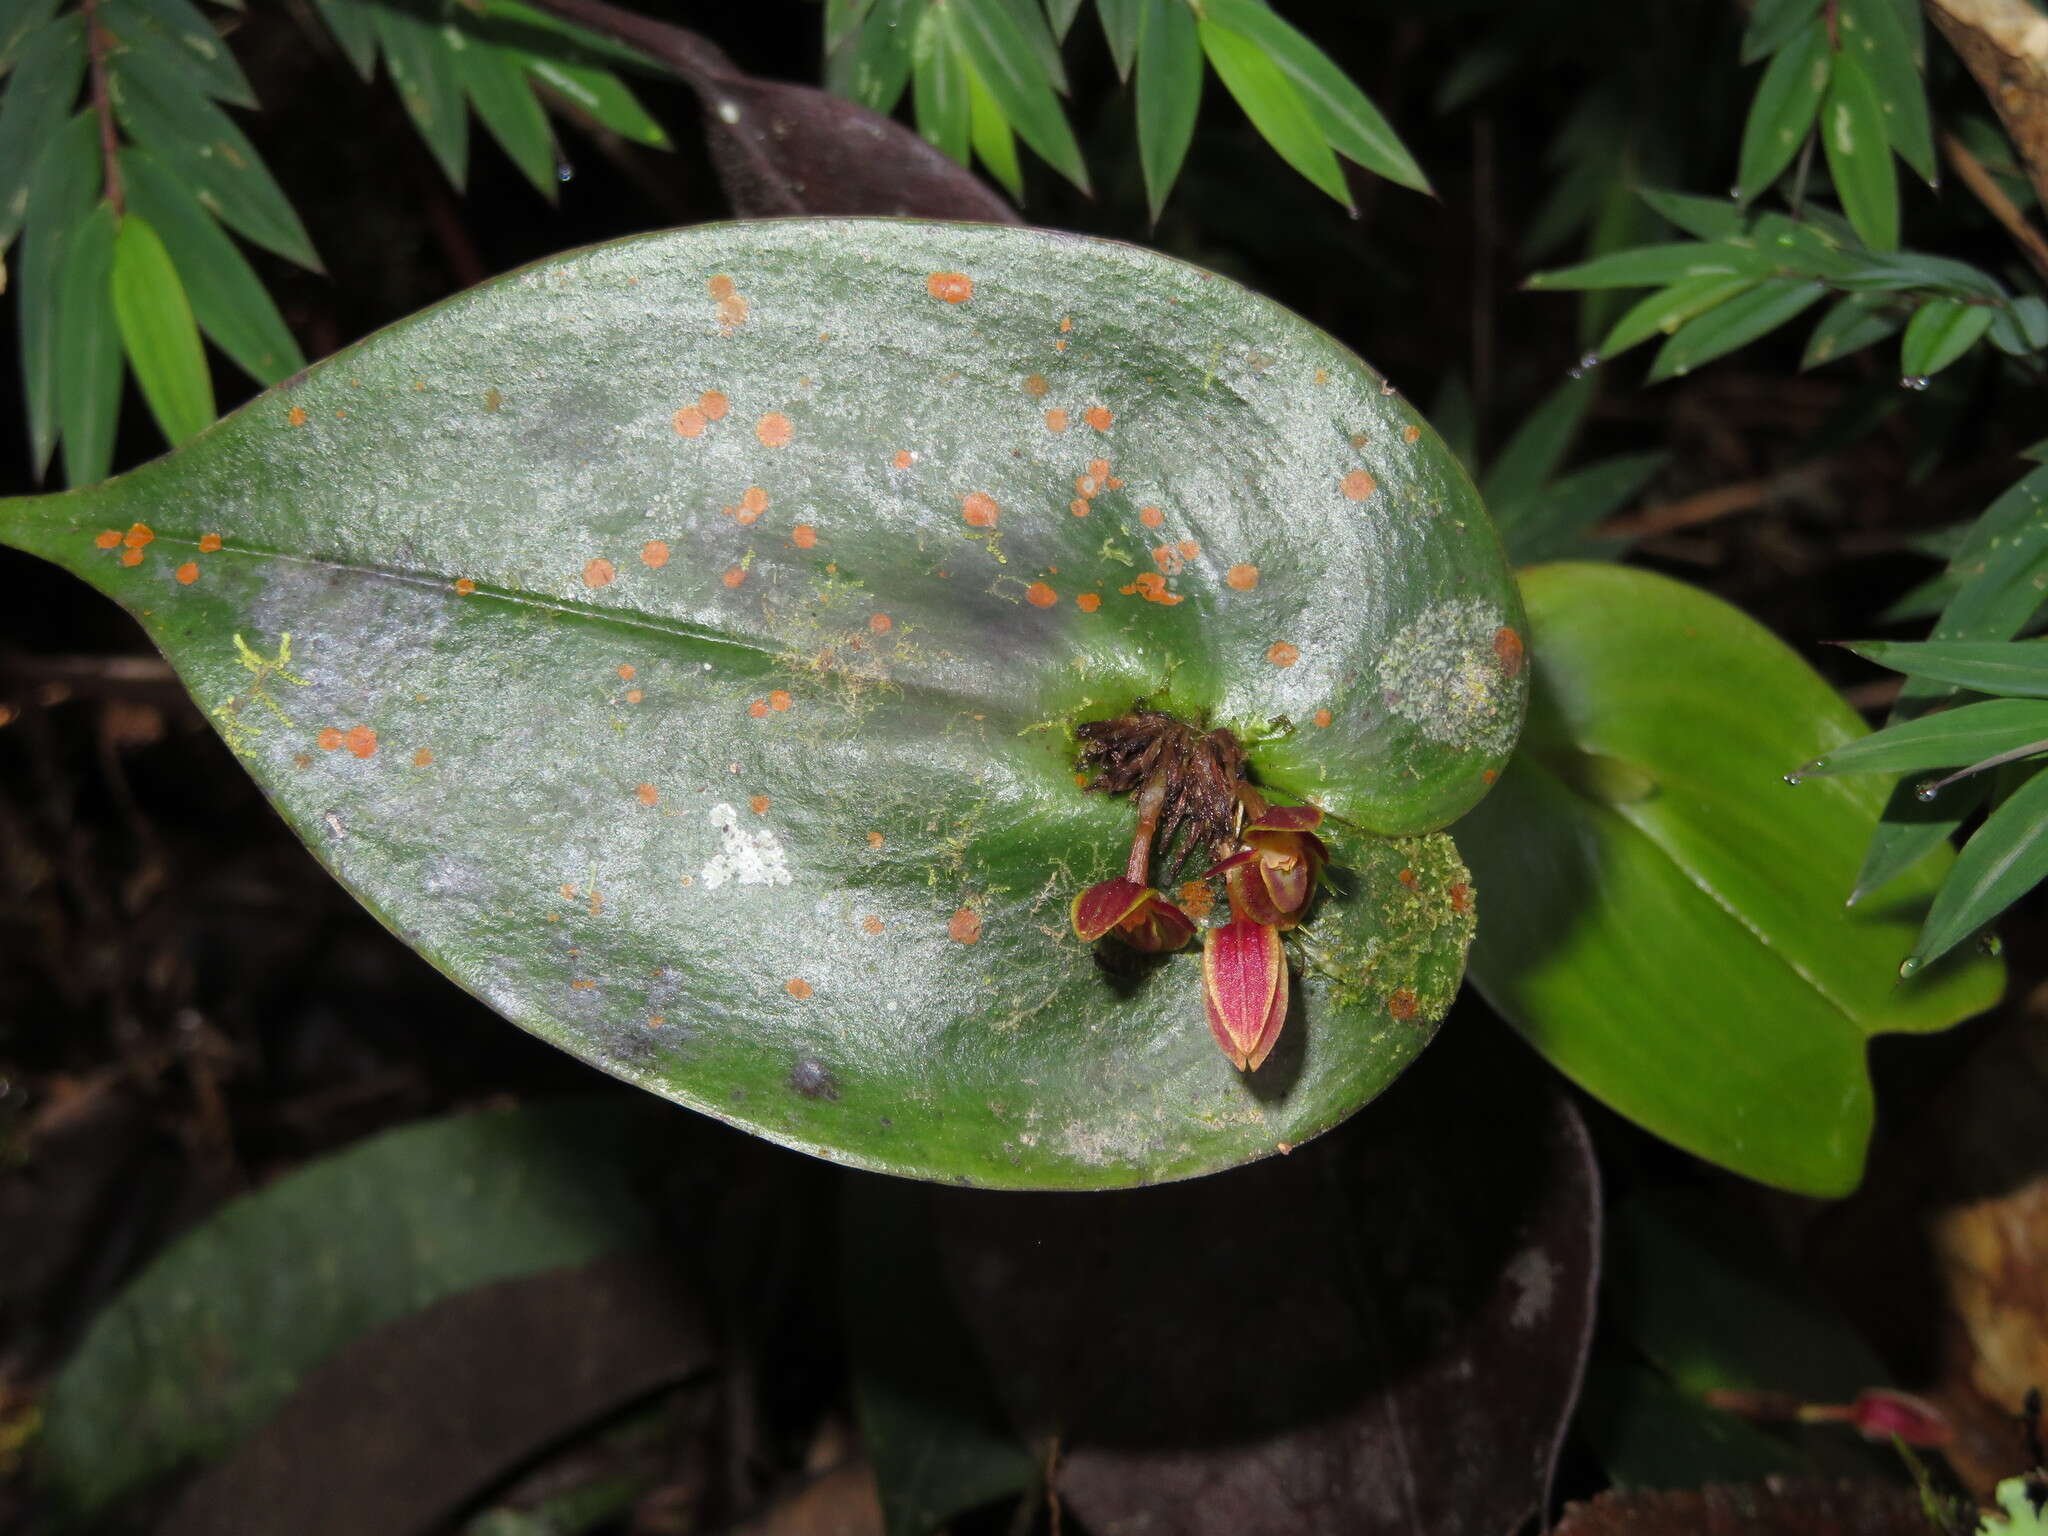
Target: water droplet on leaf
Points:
(1915, 381)
(564, 171)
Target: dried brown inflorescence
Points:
(1199, 772)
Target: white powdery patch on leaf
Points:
(1442, 673)
(748, 858)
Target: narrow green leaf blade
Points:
(2013, 668)
(1851, 324)
(1354, 127)
(1030, 22)
(2004, 859)
(1276, 108)
(608, 100)
(1531, 456)
(495, 80)
(355, 29)
(1736, 323)
(1852, 130)
(193, 139)
(1941, 331)
(1653, 266)
(993, 142)
(875, 70)
(452, 520)
(88, 350)
(2021, 327)
(421, 58)
(1949, 738)
(158, 332)
(39, 99)
(1674, 941)
(1002, 56)
(1169, 93)
(1704, 218)
(176, 29)
(1554, 524)
(20, 21)
(1662, 313)
(1787, 99)
(1875, 32)
(939, 90)
(228, 299)
(62, 190)
(1121, 20)
(1061, 14)
(1773, 24)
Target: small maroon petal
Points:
(1288, 884)
(1244, 967)
(1250, 899)
(1102, 906)
(1880, 1413)
(1276, 1015)
(1157, 926)
(1225, 866)
(1286, 818)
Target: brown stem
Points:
(1151, 803)
(1970, 170)
(96, 40)
(700, 62)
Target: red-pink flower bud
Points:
(1272, 880)
(1244, 984)
(1136, 914)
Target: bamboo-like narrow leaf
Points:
(1649, 266)
(992, 139)
(1851, 324)
(2014, 668)
(195, 140)
(842, 22)
(1275, 107)
(1874, 31)
(1787, 99)
(178, 30)
(1531, 456)
(158, 332)
(421, 59)
(1554, 524)
(1773, 24)
(1941, 331)
(1030, 21)
(21, 20)
(1736, 323)
(88, 350)
(62, 190)
(875, 67)
(939, 89)
(1121, 20)
(1061, 14)
(497, 87)
(1951, 738)
(1665, 311)
(1169, 93)
(354, 29)
(2003, 860)
(228, 299)
(1352, 125)
(2021, 327)
(1705, 218)
(39, 98)
(990, 41)
(1852, 130)
(608, 100)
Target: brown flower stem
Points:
(1151, 803)
(1970, 170)
(96, 40)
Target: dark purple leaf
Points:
(783, 149)
(414, 1419)
(1773, 1508)
(1382, 1333)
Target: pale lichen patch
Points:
(747, 858)
(1444, 674)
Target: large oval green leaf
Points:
(680, 643)
(1666, 918)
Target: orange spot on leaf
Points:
(1403, 1005)
(1410, 433)
(1281, 654)
(733, 576)
(1088, 602)
(1507, 650)
(964, 927)
(1461, 897)
(1055, 420)
(188, 573)
(1241, 578)
(871, 924)
(1324, 717)
(1039, 595)
(779, 700)
(361, 740)
(1035, 386)
(979, 510)
(904, 458)
(634, 695)
(423, 758)
(880, 623)
(329, 740)
(464, 586)
(758, 708)
(138, 535)
(720, 287)
(627, 672)
(598, 572)
(689, 422)
(1167, 559)
(108, 539)
(773, 430)
(1358, 485)
(875, 839)
(131, 557)
(296, 415)
(646, 794)
(713, 404)
(1098, 417)
(1151, 586)
(760, 804)
(1078, 506)
(654, 554)
(208, 543)
(797, 988)
(1151, 517)
(803, 535)
(1196, 899)
(953, 287)
(1190, 550)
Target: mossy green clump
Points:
(1409, 964)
